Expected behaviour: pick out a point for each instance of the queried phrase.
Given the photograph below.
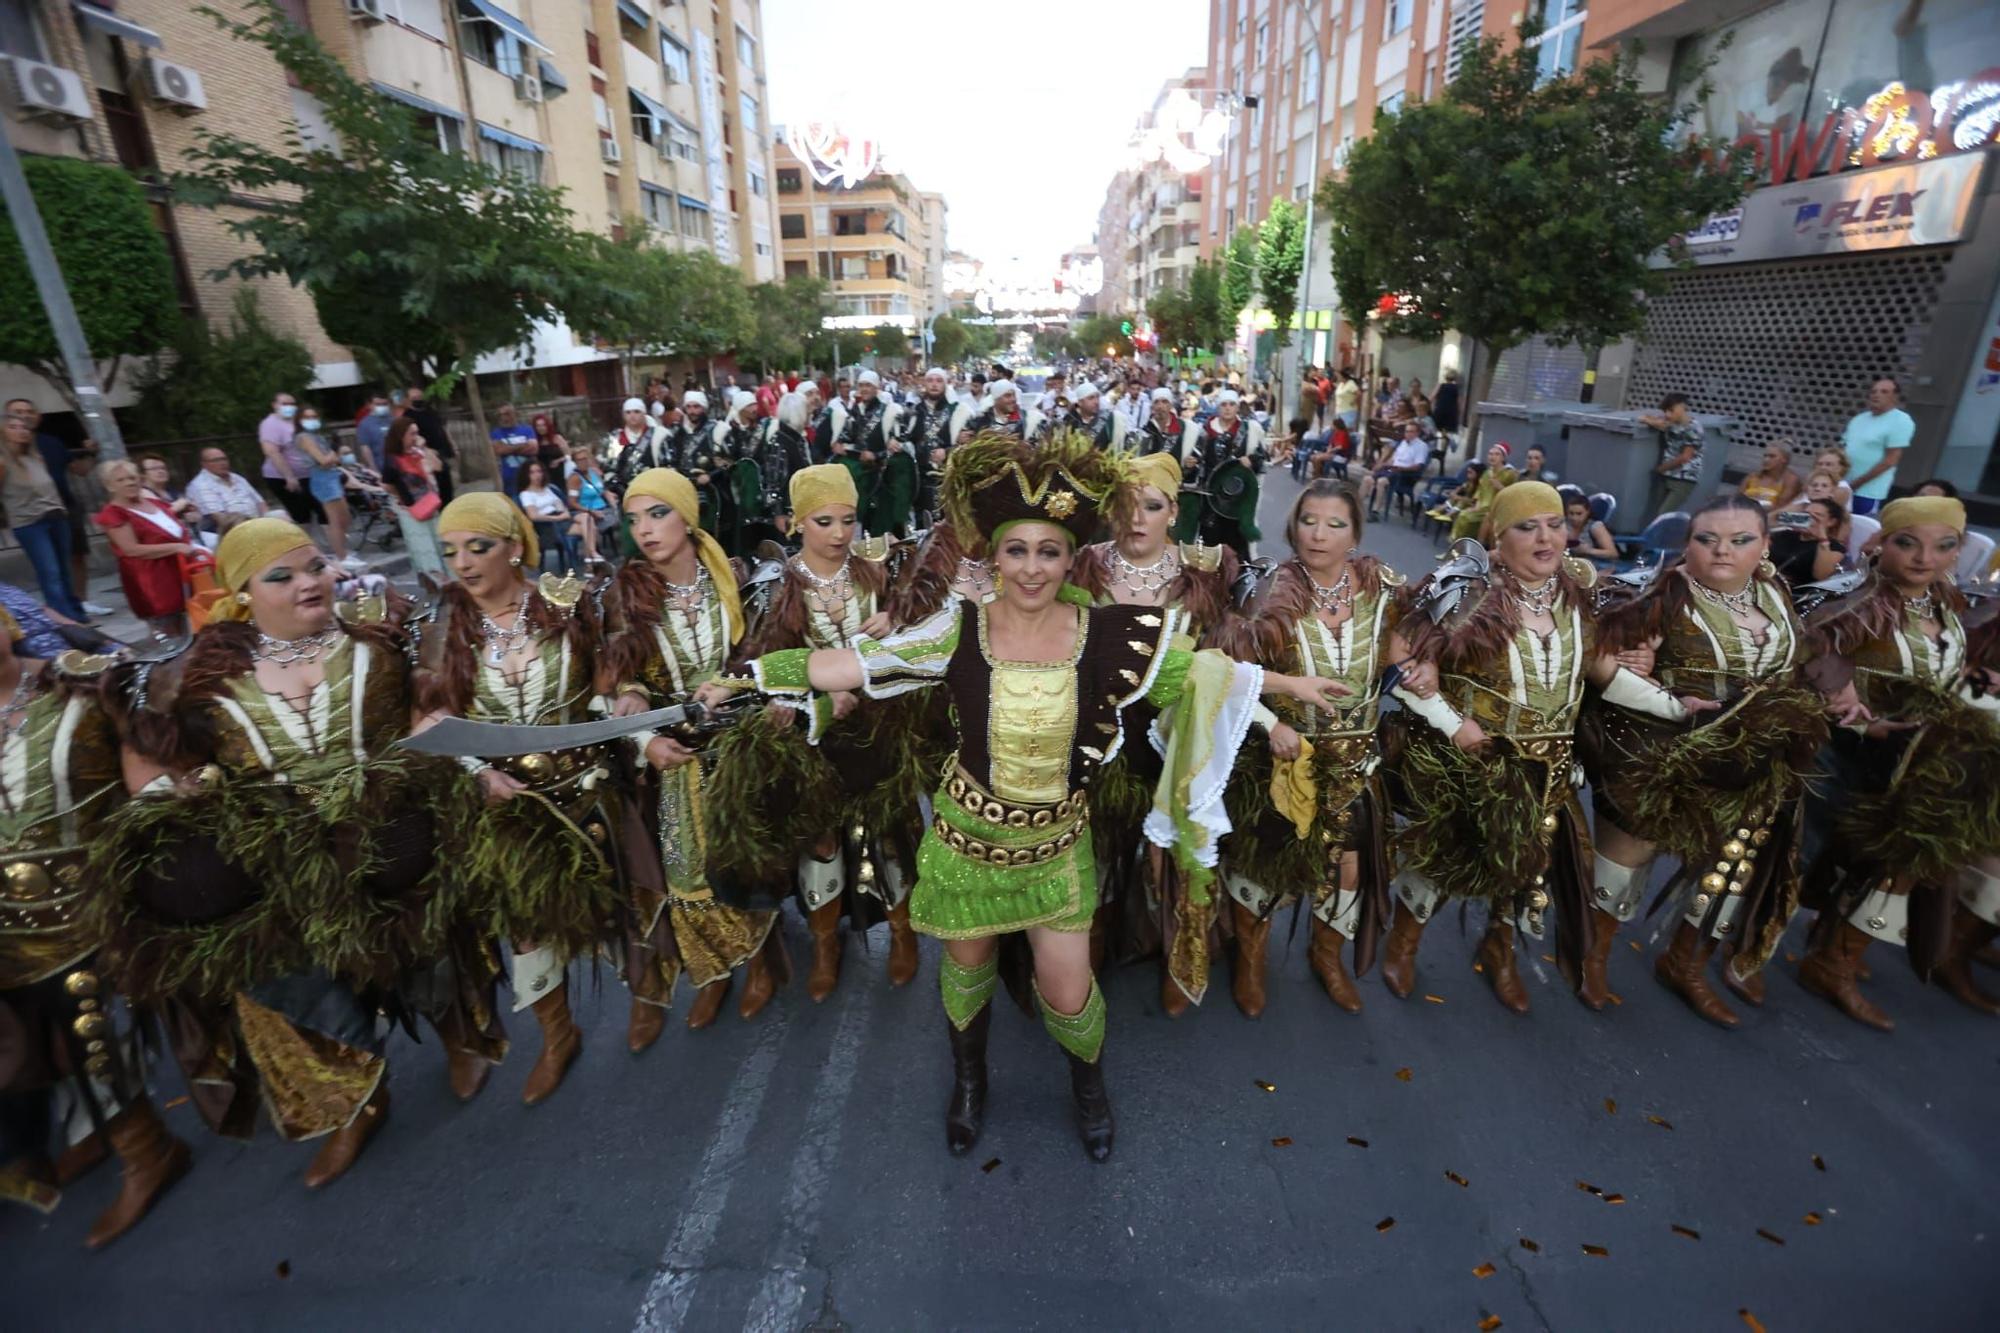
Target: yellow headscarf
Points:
(1161, 471)
(1911, 510)
(1523, 500)
(246, 549)
(491, 514)
(664, 483)
(814, 488)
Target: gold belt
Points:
(976, 801)
(545, 771)
(1044, 831)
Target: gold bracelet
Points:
(633, 687)
(735, 683)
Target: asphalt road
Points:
(1429, 1164)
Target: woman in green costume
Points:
(1038, 679)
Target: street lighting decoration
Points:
(1184, 136)
(832, 154)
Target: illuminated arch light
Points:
(831, 154)
(1184, 136)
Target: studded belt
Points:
(1039, 833)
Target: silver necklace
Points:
(1145, 580)
(975, 574)
(688, 597)
(1335, 599)
(1737, 603)
(1537, 600)
(832, 591)
(14, 712)
(290, 652)
(1922, 607)
(500, 642)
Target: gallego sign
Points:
(1920, 203)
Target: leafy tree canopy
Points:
(219, 382)
(1280, 257)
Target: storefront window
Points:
(1761, 80)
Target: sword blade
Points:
(457, 736)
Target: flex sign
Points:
(1923, 203)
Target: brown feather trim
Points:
(1092, 570)
(783, 624)
(638, 595)
(1263, 633)
(1877, 615)
(923, 584)
(1484, 634)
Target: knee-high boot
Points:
(1081, 1035)
(1399, 953)
(967, 994)
(1496, 955)
(152, 1160)
(1252, 936)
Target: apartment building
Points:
(639, 109)
(879, 242)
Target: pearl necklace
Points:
(1335, 599)
(500, 642)
(1145, 580)
(1737, 603)
(1922, 606)
(830, 592)
(1539, 600)
(290, 652)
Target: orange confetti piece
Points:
(1635, 946)
(1819, 1162)
(1597, 1251)
(1266, 1087)
(1405, 1074)
(1813, 1219)
(1489, 1323)
(1548, 958)
(1385, 1224)
(1435, 999)
(1616, 998)
(1610, 1107)
(1359, 1143)
(1689, 1232)
(1589, 1188)
(1756, 1325)
(1284, 1142)
(1479, 967)
(1457, 1180)
(1771, 1236)
(1655, 1120)
(1530, 1246)
(990, 1166)
(1484, 1271)
(1614, 1198)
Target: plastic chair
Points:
(1660, 538)
(1435, 492)
(1861, 529)
(1973, 557)
(1603, 505)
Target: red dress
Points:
(152, 587)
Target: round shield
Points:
(1233, 491)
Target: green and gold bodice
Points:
(1533, 688)
(547, 691)
(1350, 653)
(1704, 652)
(357, 711)
(689, 647)
(1885, 666)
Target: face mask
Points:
(310, 423)
(288, 410)
(379, 410)
(347, 457)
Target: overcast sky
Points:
(1018, 114)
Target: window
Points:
(850, 224)
(693, 220)
(683, 144)
(758, 186)
(796, 268)
(1263, 42)
(674, 59)
(853, 266)
(890, 271)
(1393, 102)
(18, 35)
(1562, 35)
(521, 162)
(763, 248)
(445, 132)
(659, 208)
(789, 180)
(645, 127)
(1396, 17)
(489, 44)
(746, 105)
(792, 226)
(425, 16)
(746, 52)
(602, 109)
(1309, 79)
(1229, 220)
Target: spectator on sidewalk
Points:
(35, 512)
(514, 443)
(158, 480)
(591, 498)
(1679, 468)
(64, 464)
(286, 466)
(1535, 466)
(417, 407)
(372, 429)
(1833, 462)
(411, 475)
(1588, 538)
(1874, 441)
(1807, 545)
(221, 498)
(1406, 466)
(1347, 400)
(551, 445)
(327, 482)
(150, 544)
(546, 508)
(47, 632)
(1775, 484)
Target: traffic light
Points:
(1125, 327)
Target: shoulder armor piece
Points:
(562, 591)
(75, 664)
(1391, 578)
(1623, 586)
(763, 572)
(369, 609)
(1253, 579)
(1581, 570)
(1203, 559)
(1830, 596)
(1458, 584)
(872, 549)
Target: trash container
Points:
(1616, 452)
(1524, 424)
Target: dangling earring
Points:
(1766, 570)
(243, 599)
(515, 562)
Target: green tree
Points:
(1239, 273)
(114, 260)
(217, 382)
(950, 341)
(1098, 332)
(890, 343)
(429, 258)
(1210, 323)
(1055, 344)
(1173, 318)
(1281, 254)
(668, 303)
(785, 317)
(1511, 207)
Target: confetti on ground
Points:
(1689, 1232)
(1530, 1246)
(1489, 1323)
(1589, 1188)
(989, 1167)
(1819, 1161)
(178, 1101)
(1457, 1179)
(1610, 1107)
(1435, 999)
(1267, 1087)
(284, 1268)
(1791, 957)
(1359, 1143)
(1756, 1324)
(1635, 946)
(1616, 998)
(1597, 1251)
(1771, 1236)
(1548, 958)
(1405, 1074)
(1385, 1224)
(1614, 1198)
(1813, 1219)
(1284, 1142)
(1484, 1271)
(1655, 1120)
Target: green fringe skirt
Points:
(960, 896)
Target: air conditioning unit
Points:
(612, 152)
(874, 256)
(670, 74)
(174, 85)
(46, 92)
(664, 146)
(365, 11)
(527, 87)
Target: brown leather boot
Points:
(1594, 988)
(1324, 955)
(466, 1072)
(1496, 955)
(760, 983)
(561, 1044)
(824, 922)
(645, 1025)
(1749, 989)
(1828, 971)
(344, 1145)
(152, 1160)
(1252, 934)
(707, 1006)
(902, 945)
(1683, 969)
(1969, 935)
(1399, 953)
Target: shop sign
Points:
(1923, 203)
(1897, 124)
